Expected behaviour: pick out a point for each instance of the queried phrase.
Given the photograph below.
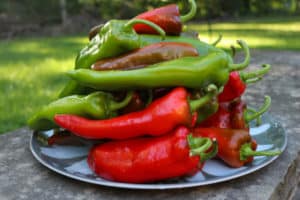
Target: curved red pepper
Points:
(167, 17)
(160, 117)
(237, 83)
(235, 146)
(151, 159)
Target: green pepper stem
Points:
(245, 63)
(258, 119)
(212, 91)
(191, 13)
(150, 97)
(199, 146)
(134, 21)
(233, 51)
(217, 40)
(118, 105)
(250, 77)
(249, 117)
(246, 151)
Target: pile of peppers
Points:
(160, 103)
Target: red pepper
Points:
(237, 81)
(241, 115)
(221, 119)
(161, 116)
(235, 146)
(167, 17)
(143, 160)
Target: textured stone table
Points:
(22, 177)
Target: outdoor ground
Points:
(32, 69)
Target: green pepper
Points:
(190, 72)
(114, 38)
(97, 105)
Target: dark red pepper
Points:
(241, 115)
(220, 119)
(167, 17)
(238, 81)
(235, 146)
(161, 116)
(143, 160)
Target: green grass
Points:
(281, 34)
(32, 70)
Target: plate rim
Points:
(160, 186)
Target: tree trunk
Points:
(63, 12)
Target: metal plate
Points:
(70, 160)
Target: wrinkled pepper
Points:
(167, 17)
(143, 160)
(151, 54)
(234, 115)
(97, 105)
(161, 116)
(238, 81)
(190, 72)
(241, 116)
(114, 38)
(235, 146)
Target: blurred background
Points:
(39, 40)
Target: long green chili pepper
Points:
(97, 105)
(190, 72)
(114, 38)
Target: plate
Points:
(70, 160)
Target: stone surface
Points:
(22, 177)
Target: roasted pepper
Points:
(235, 146)
(190, 72)
(143, 160)
(238, 81)
(151, 54)
(167, 17)
(97, 105)
(161, 116)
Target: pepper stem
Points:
(251, 77)
(249, 117)
(245, 63)
(118, 105)
(258, 119)
(191, 13)
(246, 151)
(134, 21)
(217, 40)
(200, 145)
(212, 91)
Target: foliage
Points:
(47, 12)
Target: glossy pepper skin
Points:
(114, 38)
(190, 72)
(167, 17)
(220, 119)
(151, 54)
(238, 81)
(160, 117)
(235, 146)
(143, 160)
(97, 105)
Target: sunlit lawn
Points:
(32, 70)
(264, 33)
